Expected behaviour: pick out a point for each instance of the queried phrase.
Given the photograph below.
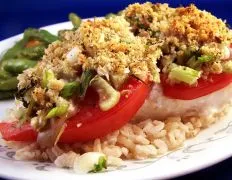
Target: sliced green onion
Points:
(70, 89)
(90, 162)
(184, 74)
(85, 80)
(193, 63)
(57, 111)
(101, 165)
(47, 76)
(205, 58)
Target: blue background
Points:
(16, 15)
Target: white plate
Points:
(209, 147)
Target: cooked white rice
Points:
(135, 140)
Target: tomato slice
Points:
(213, 83)
(90, 122)
(11, 132)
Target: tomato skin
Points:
(10, 132)
(107, 121)
(213, 83)
(90, 122)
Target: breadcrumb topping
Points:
(193, 25)
(144, 40)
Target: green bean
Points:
(75, 19)
(14, 51)
(4, 74)
(42, 35)
(8, 84)
(17, 66)
(6, 94)
(33, 52)
(47, 36)
(29, 33)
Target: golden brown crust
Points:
(193, 24)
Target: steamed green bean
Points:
(8, 84)
(17, 66)
(14, 51)
(4, 74)
(33, 52)
(41, 35)
(7, 94)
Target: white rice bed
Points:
(146, 139)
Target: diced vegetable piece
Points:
(227, 66)
(108, 96)
(75, 19)
(57, 111)
(47, 76)
(193, 63)
(184, 74)
(85, 80)
(205, 58)
(90, 162)
(17, 66)
(70, 89)
(100, 166)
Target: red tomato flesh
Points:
(182, 91)
(90, 122)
